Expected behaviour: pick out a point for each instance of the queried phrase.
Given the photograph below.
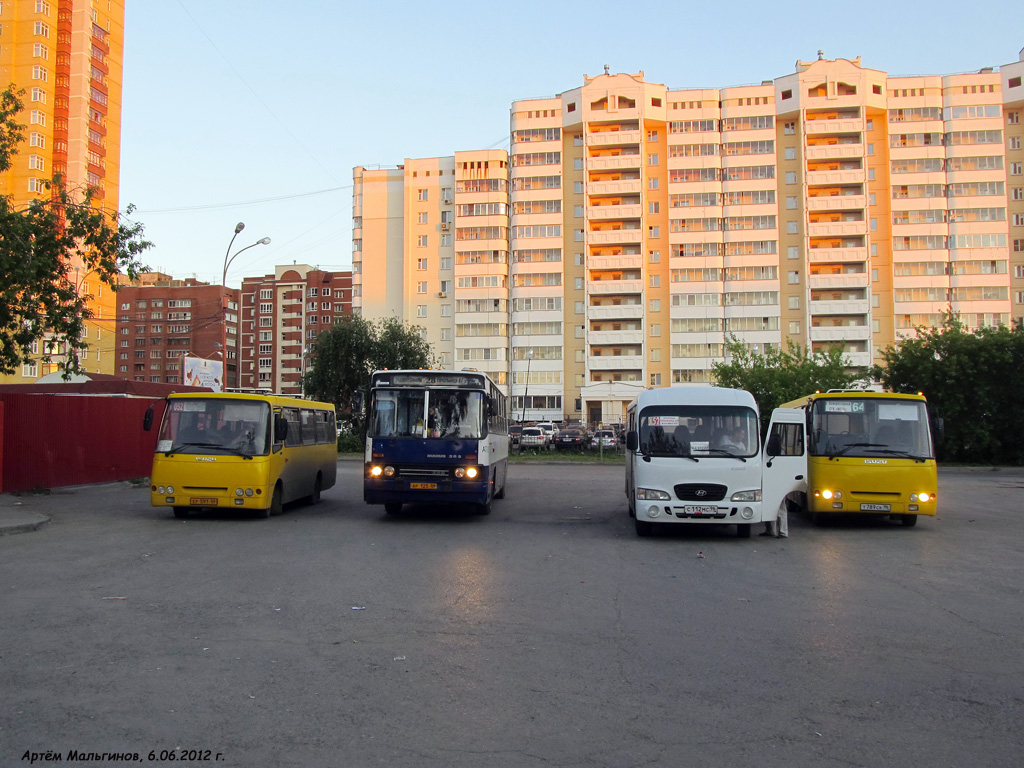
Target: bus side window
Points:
(308, 426)
(294, 436)
(786, 440)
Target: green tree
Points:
(344, 356)
(39, 243)
(778, 376)
(970, 382)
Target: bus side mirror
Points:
(280, 428)
(774, 447)
(147, 419)
(632, 440)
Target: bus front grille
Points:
(700, 492)
(422, 472)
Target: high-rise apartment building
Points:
(281, 316)
(161, 320)
(67, 56)
(835, 207)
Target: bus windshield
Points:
(698, 430)
(870, 427)
(451, 413)
(208, 425)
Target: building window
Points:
(793, 252)
(1016, 169)
(421, 241)
(652, 159)
(794, 327)
(422, 217)
(794, 278)
(421, 287)
(421, 265)
(791, 203)
(790, 153)
(421, 310)
(422, 194)
(791, 177)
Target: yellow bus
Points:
(869, 452)
(243, 450)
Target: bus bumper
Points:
(260, 499)
(742, 513)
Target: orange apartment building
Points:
(67, 56)
(836, 206)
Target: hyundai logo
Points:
(701, 492)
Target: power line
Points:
(212, 206)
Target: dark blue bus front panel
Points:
(424, 470)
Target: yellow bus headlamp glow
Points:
(830, 494)
(921, 497)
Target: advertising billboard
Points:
(200, 372)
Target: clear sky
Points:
(257, 111)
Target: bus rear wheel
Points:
(314, 497)
(909, 521)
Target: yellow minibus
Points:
(869, 452)
(242, 450)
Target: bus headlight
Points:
(653, 511)
(248, 491)
(921, 497)
(652, 495)
(160, 489)
(389, 471)
(828, 494)
(747, 513)
(239, 492)
(460, 472)
(170, 489)
(472, 472)
(376, 471)
(754, 495)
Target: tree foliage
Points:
(39, 244)
(970, 380)
(344, 356)
(777, 376)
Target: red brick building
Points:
(160, 320)
(282, 314)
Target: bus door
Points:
(784, 464)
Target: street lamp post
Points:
(228, 258)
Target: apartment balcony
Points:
(820, 255)
(843, 125)
(620, 261)
(613, 138)
(840, 307)
(834, 151)
(857, 359)
(601, 338)
(615, 163)
(616, 312)
(855, 280)
(827, 178)
(836, 203)
(615, 363)
(614, 287)
(837, 228)
(612, 212)
(617, 187)
(615, 236)
(840, 333)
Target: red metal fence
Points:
(50, 441)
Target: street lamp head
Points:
(239, 227)
(263, 241)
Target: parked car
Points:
(513, 434)
(604, 437)
(550, 431)
(571, 438)
(533, 437)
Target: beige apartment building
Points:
(836, 206)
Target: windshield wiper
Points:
(904, 454)
(847, 447)
(236, 451)
(724, 452)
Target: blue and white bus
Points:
(435, 437)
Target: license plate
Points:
(875, 507)
(700, 510)
(423, 486)
(203, 502)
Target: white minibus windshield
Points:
(698, 430)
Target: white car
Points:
(533, 437)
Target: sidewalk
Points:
(14, 518)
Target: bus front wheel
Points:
(276, 504)
(483, 509)
(644, 528)
(392, 507)
(743, 531)
(909, 521)
(181, 512)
